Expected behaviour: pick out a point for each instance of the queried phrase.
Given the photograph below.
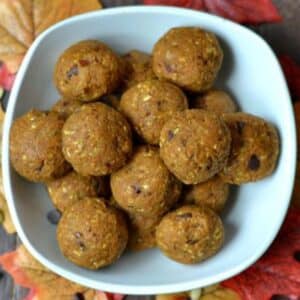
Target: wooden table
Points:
(283, 37)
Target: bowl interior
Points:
(255, 211)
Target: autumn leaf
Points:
(5, 219)
(277, 272)
(21, 21)
(213, 292)
(241, 11)
(6, 78)
(292, 74)
(44, 284)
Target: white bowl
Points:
(255, 212)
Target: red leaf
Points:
(9, 262)
(245, 11)
(6, 78)
(195, 4)
(31, 295)
(242, 11)
(292, 73)
(278, 271)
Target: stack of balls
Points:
(140, 150)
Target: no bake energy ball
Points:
(96, 140)
(149, 104)
(145, 186)
(138, 68)
(65, 107)
(87, 71)
(189, 57)
(91, 234)
(195, 145)
(190, 234)
(71, 188)
(254, 150)
(36, 146)
(216, 101)
(212, 193)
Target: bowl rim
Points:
(123, 288)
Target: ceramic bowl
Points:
(255, 212)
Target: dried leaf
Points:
(195, 4)
(22, 20)
(277, 272)
(241, 11)
(245, 11)
(178, 296)
(11, 51)
(292, 74)
(220, 293)
(16, 18)
(212, 292)
(5, 216)
(44, 284)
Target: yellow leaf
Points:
(217, 292)
(21, 21)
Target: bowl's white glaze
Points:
(255, 212)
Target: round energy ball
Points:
(189, 57)
(145, 186)
(87, 70)
(138, 66)
(96, 140)
(142, 232)
(212, 193)
(36, 146)
(65, 107)
(215, 101)
(195, 145)
(73, 187)
(149, 104)
(91, 234)
(254, 149)
(190, 234)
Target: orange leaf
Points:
(44, 284)
(22, 20)
(213, 292)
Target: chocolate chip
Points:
(253, 163)
(81, 246)
(170, 135)
(40, 167)
(183, 142)
(209, 163)
(72, 72)
(54, 216)
(86, 90)
(240, 126)
(108, 165)
(184, 216)
(137, 189)
(280, 297)
(84, 62)
(168, 68)
(192, 242)
(297, 256)
(78, 296)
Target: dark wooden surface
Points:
(283, 37)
